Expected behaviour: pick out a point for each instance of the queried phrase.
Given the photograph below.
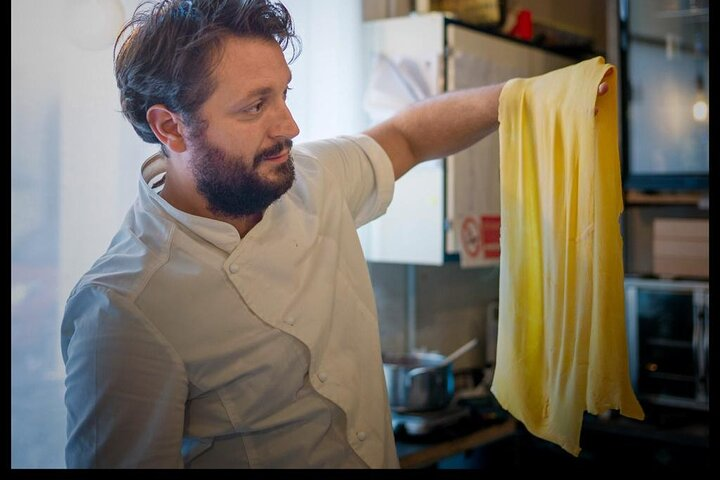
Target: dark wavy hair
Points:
(168, 50)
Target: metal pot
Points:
(418, 381)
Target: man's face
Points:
(241, 159)
(234, 187)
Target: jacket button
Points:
(361, 436)
(290, 321)
(234, 268)
(322, 376)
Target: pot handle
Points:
(414, 373)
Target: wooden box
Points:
(681, 247)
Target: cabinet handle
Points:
(697, 335)
(706, 318)
(698, 342)
(706, 342)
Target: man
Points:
(231, 323)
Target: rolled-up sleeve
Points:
(363, 170)
(125, 386)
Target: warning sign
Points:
(490, 232)
(470, 237)
(479, 240)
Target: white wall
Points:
(326, 99)
(100, 154)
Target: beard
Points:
(233, 188)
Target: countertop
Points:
(676, 438)
(423, 453)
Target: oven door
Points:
(667, 335)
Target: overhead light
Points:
(700, 110)
(700, 107)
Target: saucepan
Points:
(421, 381)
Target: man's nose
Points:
(286, 126)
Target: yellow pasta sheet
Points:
(562, 346)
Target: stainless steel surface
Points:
(418, 381)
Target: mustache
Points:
(284, 144)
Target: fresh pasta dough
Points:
(561, 336)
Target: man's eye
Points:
(255, 108)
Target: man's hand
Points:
(604, 87)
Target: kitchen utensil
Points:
(421, 381)
(418, 381)
(460, 351)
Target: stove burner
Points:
(421, 423)
(462, 417)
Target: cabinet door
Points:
(667, 82)
(544, 62)
(666, 322)
(411, 231)
(473, 175)
(433, 195)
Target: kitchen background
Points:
(75, 160)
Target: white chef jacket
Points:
(187, 346)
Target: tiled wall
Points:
(450, 307)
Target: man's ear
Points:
(168, 127)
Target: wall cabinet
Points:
(664, 72)
(405, 60)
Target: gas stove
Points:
(461, 417)
(422, 423)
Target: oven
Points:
(668, 324)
